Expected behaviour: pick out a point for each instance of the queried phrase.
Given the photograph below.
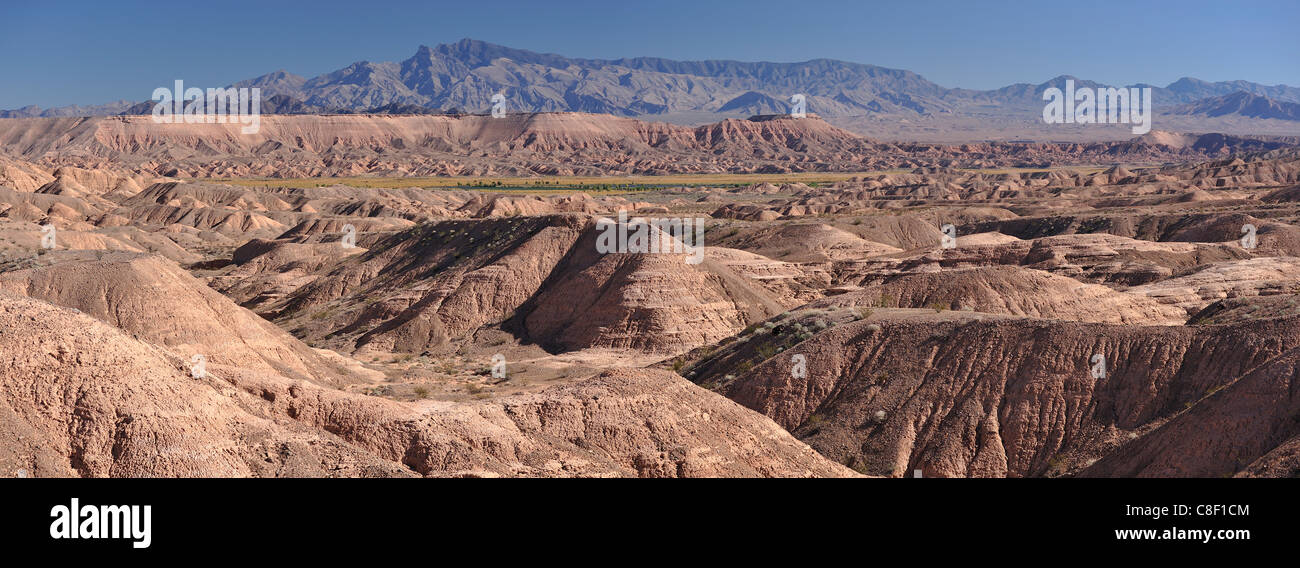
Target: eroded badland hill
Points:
(314, 300)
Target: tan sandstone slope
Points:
(82, 398)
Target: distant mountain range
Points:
(1242, 103)
(463, 76)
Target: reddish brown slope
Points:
(1256, 418)
(958, 397)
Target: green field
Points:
(551, 184)
(589, 184)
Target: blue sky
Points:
(85, 52)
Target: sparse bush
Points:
(421, 392)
